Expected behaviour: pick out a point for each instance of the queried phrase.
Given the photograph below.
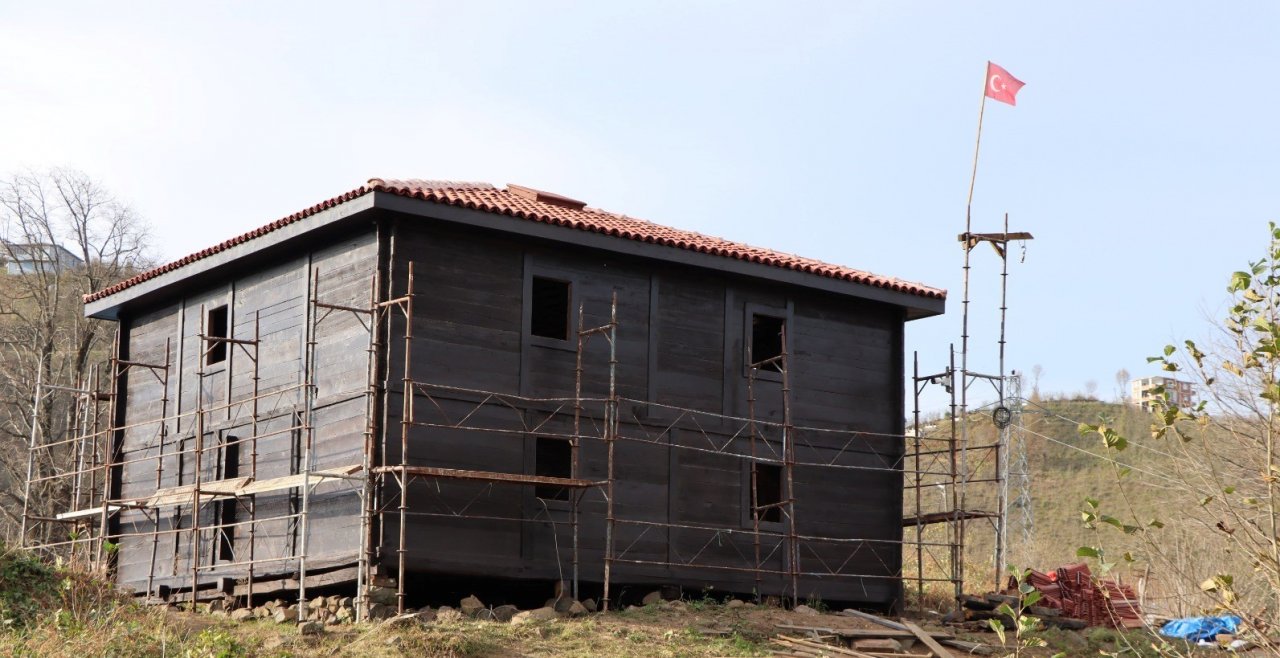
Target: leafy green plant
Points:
(216, 643)
(705, 602)
(815, 601)
(1025, 626)
(27, 587)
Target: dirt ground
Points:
(697, 629)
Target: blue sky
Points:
(1142, 155)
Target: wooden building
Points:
(584, 405)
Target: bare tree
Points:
(1122, 384)
(62, 236)
(1091, 389)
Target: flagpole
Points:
(977, 146)
(958, 499)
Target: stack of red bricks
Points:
(1073, 590)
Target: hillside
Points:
(1064, 470)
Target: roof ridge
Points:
(430, 184)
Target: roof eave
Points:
(916, 306)
(109, 307)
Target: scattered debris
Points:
(945, 639)
(927, 640)
(1195, 629)
(894, 639)
(1070, 597)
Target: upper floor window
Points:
(766, 341)
(215, 328)
(549, 308)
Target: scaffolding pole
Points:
(787, 542)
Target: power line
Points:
(1055, 414)
(1102, 457)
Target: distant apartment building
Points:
(32, 258)
(1142, 392)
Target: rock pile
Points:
(322, 611)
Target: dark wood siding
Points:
(274, 300)
(680, 344)
(682, 479)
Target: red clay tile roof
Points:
(548, 208)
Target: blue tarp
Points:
(1200, 628)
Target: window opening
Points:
(766, 340)
(549, 308)
(768, 482)
(227, 507)
(216, 327)
(553, 458)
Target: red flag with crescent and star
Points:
(1001, 86)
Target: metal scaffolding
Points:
(768, 542)
(89, 458)
(975, 470)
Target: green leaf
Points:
(1206, 500)
(1239, 281)
(1169, 350)
(998, 628)
(1088, 551)
(1195, 352)
(1031, 598)
(1155, 523)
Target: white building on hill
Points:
(1142, 392)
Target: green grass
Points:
(57, 611)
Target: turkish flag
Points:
(1001, 86)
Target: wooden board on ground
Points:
(928, 640)
(799, 645)
(862, 633)
(970, 647)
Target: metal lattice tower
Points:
(1019, 474)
